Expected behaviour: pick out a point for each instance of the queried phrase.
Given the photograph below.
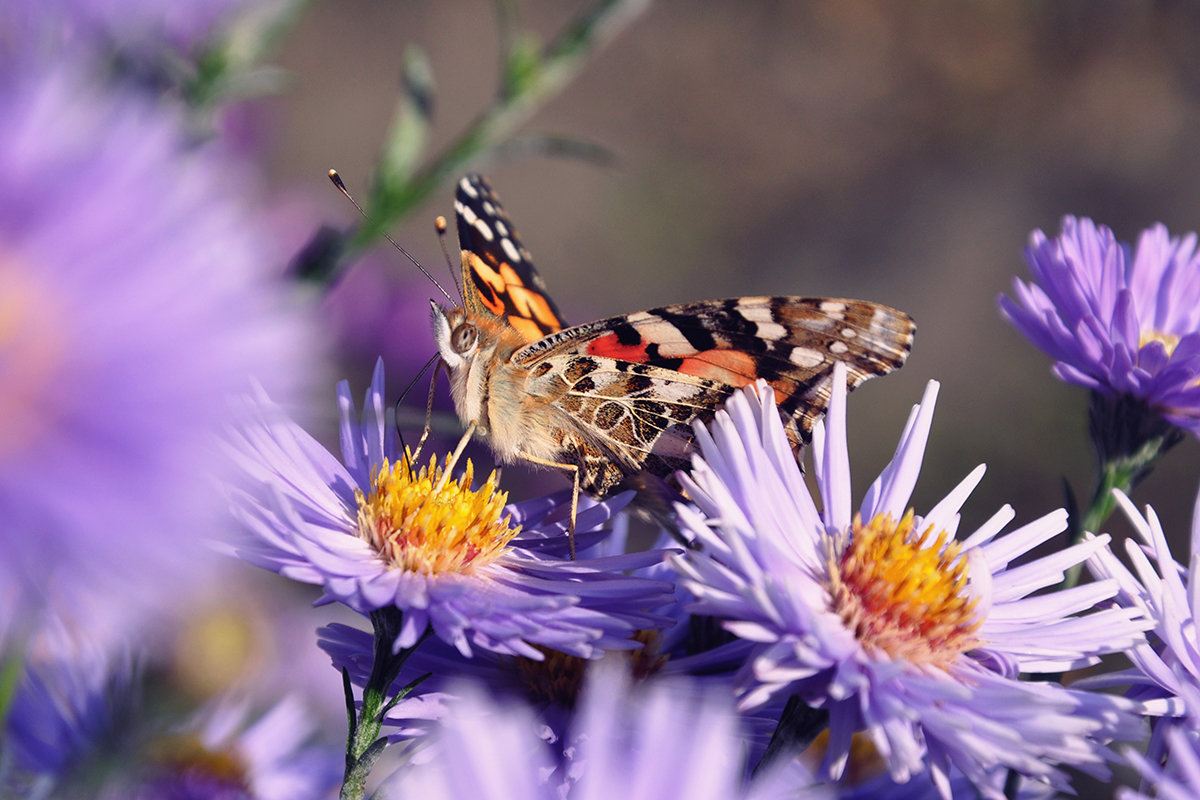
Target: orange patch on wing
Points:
(493, 301)
(608, 346)
(727, 366)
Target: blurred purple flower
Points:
(137, 297)
(886, 622)
(69, 23)
(1165, 677)
(660, 740)
(1120, 322)
(219, 757)
(443, 561)
(74, 695)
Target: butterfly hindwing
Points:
(499, 278)
(637, 417)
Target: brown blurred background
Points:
(899, 152)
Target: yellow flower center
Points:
(902, 594)
(32, 348)
(1169, 340)
(415, 528)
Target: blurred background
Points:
(898, 152)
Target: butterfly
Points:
(613, 401)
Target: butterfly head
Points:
(457, 337)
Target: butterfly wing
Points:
(714, 347)
(499, 279)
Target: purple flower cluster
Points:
(1165, 676)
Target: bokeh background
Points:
(900, 152)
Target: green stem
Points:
(1129, 439)
(518, 99)
(364, 745)
(12, 667)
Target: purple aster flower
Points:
(1122, 322)
(376, 535)
(1165, 677)
(881, 618)
(661, 740)
(74, 695)
(219, 756)
(137, 298)
(685, 646)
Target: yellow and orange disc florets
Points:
(423, 522)
(902, 594)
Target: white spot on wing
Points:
(484, 229)
(489, 209)
(849, 333)
(771, 331)
(837, 348)
(879, 322)
(805, 357)
(815, 323)
(467, 188)
(755, 313)
(466, 212)
(510, 250)
(833, 308)
(671, 343)
(501, 228)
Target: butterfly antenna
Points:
(440, 224)
(341, 187)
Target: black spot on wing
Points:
(626, 334)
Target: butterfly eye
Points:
(464, 337)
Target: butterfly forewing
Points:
(499, 278)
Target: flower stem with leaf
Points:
(364, 745)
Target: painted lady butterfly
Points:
(615, 399)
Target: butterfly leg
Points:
(462, 443)
(574, 469)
